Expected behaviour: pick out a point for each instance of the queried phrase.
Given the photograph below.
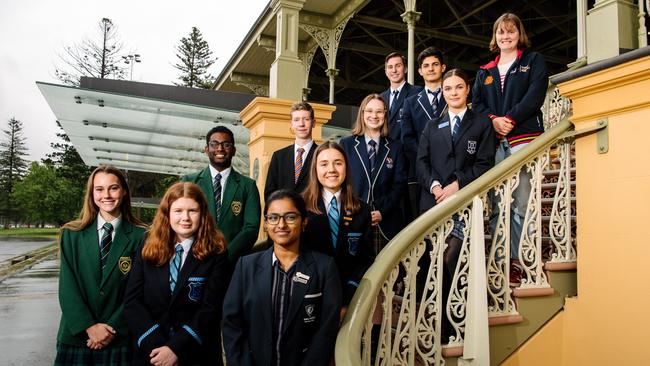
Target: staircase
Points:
(482, 308)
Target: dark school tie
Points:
(297, 168)
(372, 155)
(393, 103)
(175, 267)
(454, 132)
(105, 245)
(434, 101)
(217, 195)
(333, 216)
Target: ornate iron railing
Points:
(395, 317)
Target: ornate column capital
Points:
(411, 17)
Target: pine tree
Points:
(13, 167)
(195, 59)
(93, 58)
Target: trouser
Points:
(412, 202)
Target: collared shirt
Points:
(307, 147)
(327, 198)
(100, 226)
(187, 246)
(281, 292)
(392, 93)
(452, 119)
(224, 177)
(430, 96)
(368, 138)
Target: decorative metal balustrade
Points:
(396, 316)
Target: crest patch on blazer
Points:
(488, 80)
(309, 310)
(389, 163)
(236, 207)
(471, 147)
(196, 290)
(524, 68)
(124, 265)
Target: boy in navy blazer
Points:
(399, 90)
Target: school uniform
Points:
(240, 214)
(301, 331)
(187, 319)
(395, 108)
(281, 173)
(443, 160)
(352, 252)
(384, 187)
(88, 295)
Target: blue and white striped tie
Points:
(175, 267)
(454, 132)
(372, 155)
(333, 216)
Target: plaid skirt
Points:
(67, 355)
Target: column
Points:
(285, 80)
(410, 18)
(611, 29)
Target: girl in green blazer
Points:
(96, 256)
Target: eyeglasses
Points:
(289, 218)
(379, 112)
(225, 144)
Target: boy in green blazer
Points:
(233, 199)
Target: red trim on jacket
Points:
(495, 62)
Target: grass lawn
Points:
(31, 232)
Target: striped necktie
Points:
(393, 101)
(297, 168)
(105, 245)
(217, 195)
(333, 216)
(372, 155)
(175, 267)
(454, 132)
(434, 101)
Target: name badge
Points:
(301, 278)
(443, 125)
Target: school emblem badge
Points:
(488, 80)
(389, 163)
(236, 207)
(309, 311)
(124, 265)
(471, 147)
(524, 68)
(196, 290)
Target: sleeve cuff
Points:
(509, 117)
(435, 183)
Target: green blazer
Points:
(240, 210)
(85, 297)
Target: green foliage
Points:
(98, 58)
(13, 166)
(195, 59)
(30, 232)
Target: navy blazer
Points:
(311, 325)
(281, 171)
(442, 160)
(417, 111)
(187, 320)
(353, 251)
(384, 189)
(394, 113)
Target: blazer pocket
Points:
(311, 309)
(353, 243)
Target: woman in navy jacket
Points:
(176, 288)
(511, 91)
(378, 168)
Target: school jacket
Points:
(394, 126)
(521, 99)
(86, 297)
(353, 252)
(240, 210)
(417, 111)
(311, 324)
(383, 189)
(187, 320)
(281, 171)
(442, 160)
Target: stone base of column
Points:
(611, 29)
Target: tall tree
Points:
(13, 166)
(98, 58)
(195, 58)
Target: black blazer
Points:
(394, 113)
(187, 321)
(384, 189)
(312, 318)
(417, 111)
(280, 175)
(353, 252)
(440, 159)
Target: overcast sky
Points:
(34, 32)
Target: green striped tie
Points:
(105, 245)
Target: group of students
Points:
(166, 294)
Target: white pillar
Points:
(410, 18)
(332, 73)
(285, 77)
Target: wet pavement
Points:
(11, 247)
(29, 313)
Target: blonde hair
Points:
(359, 127)
(509, 18)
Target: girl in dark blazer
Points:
(378, 169)
(282, 306)
(338, 221)
(511, 91)
(96, 254)
(174, 296)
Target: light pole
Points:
(131, 60)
